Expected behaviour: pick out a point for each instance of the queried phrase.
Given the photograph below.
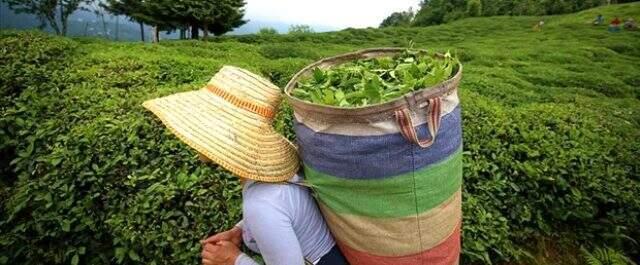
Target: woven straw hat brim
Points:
(241, 78)
(241, 141)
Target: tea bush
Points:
(29, 59)
(550, 170)
(278, 52)
(99, 183)
(550, 124)
(375, 80)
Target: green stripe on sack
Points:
(390, 197)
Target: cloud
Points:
(334, 13)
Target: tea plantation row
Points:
(551, 128)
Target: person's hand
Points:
(233, 235)
(222, 253)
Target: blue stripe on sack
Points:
(375, 157)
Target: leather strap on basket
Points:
(403, 118)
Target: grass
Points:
(568, 57)
(551, 128)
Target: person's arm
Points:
(244, 259)
(222, 253)
(233, 235)
(272, 229)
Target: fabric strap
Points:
(266, 112)
(408, 131)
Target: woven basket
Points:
(387, 176)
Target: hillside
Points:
(83, 23)
(551, 127)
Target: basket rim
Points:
(407, 100)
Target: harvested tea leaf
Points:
(377, 80)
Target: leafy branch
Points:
(376, 80)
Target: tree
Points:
(474, 8)
(99, 11)
(217, 17)
(300, 29)
(433, 12)
(228, 17)
(132, 8)
(152, 13)
(267, 31)
(398, 19)
(53, 12)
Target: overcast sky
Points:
(334, 13)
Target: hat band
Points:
(260, 110)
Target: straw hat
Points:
(229, 122)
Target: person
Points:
(229, 123)
(614, 26)
(599, 20)
(281, 222)
(538, 26)
(630, 24)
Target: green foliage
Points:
(30, 60)
(537, 165)
(143, 12)
(54, 13)
(372, 81)
(284, 122)
(98, 179)
(217, 17)
(605, 256)
(434, 12)
(267, 31)
(275, 51)
(398, 19)
(300, 29)
(474, 8)
(550, 128)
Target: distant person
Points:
(538, 26)
(599, 20)
(614, 26)
(630, 24)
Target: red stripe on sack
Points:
(446, 253)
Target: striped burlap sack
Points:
(387, 177)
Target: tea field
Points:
(551, 122)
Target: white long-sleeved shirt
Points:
(283, 223)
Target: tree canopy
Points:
(55, 13)
(227, 15)
(267, 31)
(217, 17)
(396, 19)
(300, 29)
(434, 12)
